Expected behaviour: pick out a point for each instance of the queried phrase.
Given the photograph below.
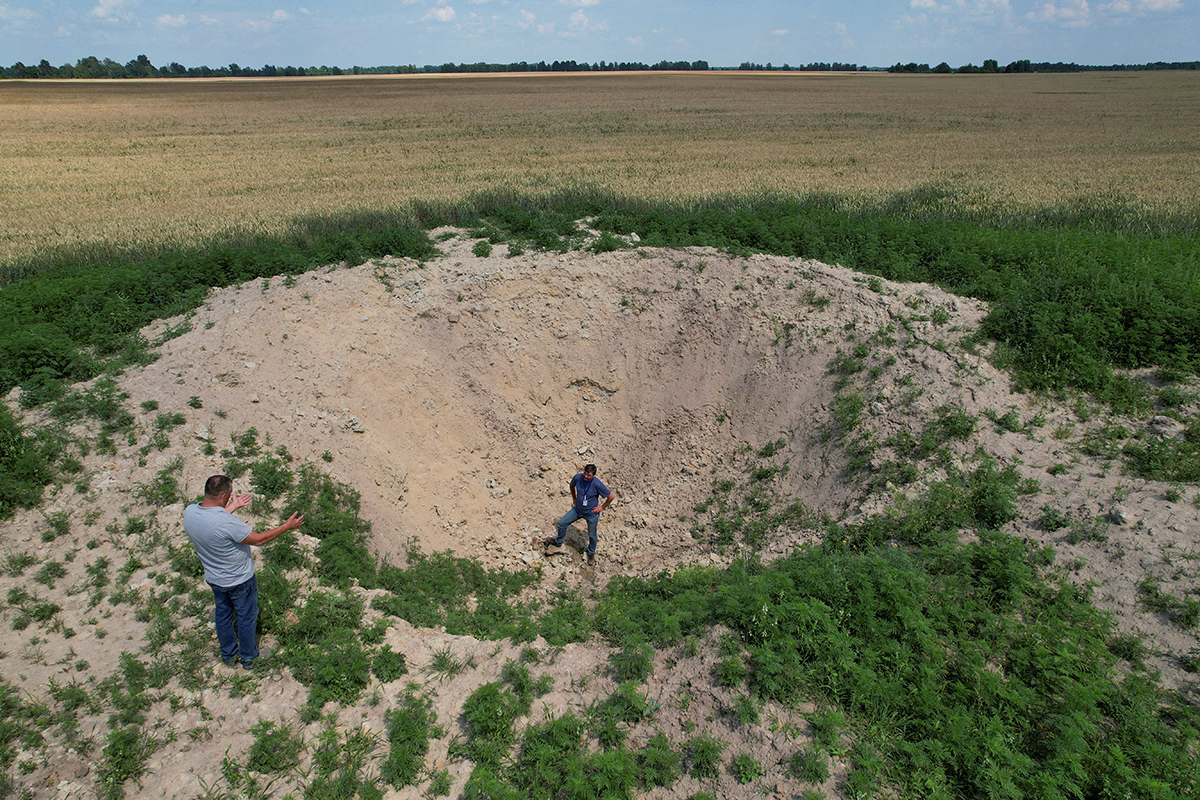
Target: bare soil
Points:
(460, 395)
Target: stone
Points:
(1165, 427)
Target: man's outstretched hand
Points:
(238, 501)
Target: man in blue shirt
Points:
(586, 492)
(223, 543)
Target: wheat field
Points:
(117, 163)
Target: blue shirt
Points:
(588, 493)
(217, 536)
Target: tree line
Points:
(141, 67)
(1025, 65)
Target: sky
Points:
(345, 33)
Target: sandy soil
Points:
(460, 395)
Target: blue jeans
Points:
(570, 517)
(237, 621)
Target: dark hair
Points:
(590, 468)
(217, 485)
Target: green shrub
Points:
(731, 671)
(491, 711)
(25, 465)
(809, 765)
(658, 763)
(270, 477)
(276, 747)
(746, 768)
(164, 489)
(704, 755)
(389, 665)
(124, 758)
(632, 663)
(628, 704)
(408, 730)
(746, 710)
(1052, 519)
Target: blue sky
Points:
(345, 33)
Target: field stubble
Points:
(175, 162)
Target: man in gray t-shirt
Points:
(223, 542)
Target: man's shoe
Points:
(263, 654)
(551, 541)
(591, 559)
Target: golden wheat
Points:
(135, 162)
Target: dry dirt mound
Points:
(460, 395)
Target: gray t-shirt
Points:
(217, 536)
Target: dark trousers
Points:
(237, 620)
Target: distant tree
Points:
(990, 65)
(943, 69)
(89, 67)
(1019, 66)
(112, 69)
(140, 67)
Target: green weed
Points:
(444, 665)
(746, 768)
(633, 663)
(409, 723)
(276, 748)
(704, 755)
(809, 765)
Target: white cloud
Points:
(527, 20)
(928, 4)
(304, 11)
(580, 21)
(9, 14)
(636, 41)
(1159, 5)
(780, 32)
(1071, 13)
(839, 28)
(209, 20)
(109, 10)
(281, 16)
(167, 21)
(579, 3)
(440, 14)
